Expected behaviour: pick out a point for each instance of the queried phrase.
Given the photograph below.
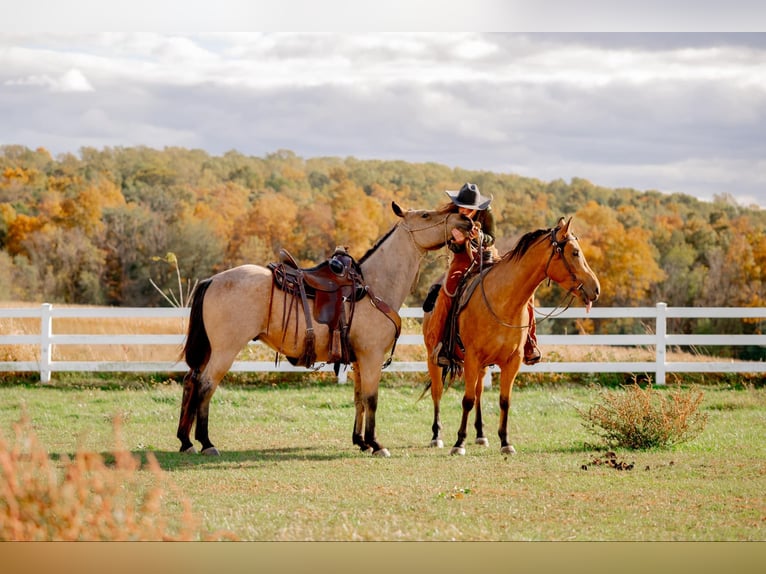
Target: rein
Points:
(422, 250)
(557, 248)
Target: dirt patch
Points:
(609, 460)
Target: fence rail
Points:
(46, 339)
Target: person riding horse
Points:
(472, 251)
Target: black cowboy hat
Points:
(470, 197)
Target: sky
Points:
(668, 111)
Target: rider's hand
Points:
(459, 236)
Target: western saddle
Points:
(333, 285)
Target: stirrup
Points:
(534, 356)
(435, 353)
(439, 356)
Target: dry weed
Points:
(643, 418)
(85, 498)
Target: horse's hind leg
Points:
(188, 411)
(478, 423)
(218, 365)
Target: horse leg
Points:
(206, 390)
(471, 374)
(437, 390)
(189, 403)
(369, 380)
(478, 422)
(357, 437)
(218, 365)
(507, 377)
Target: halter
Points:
(411, 233)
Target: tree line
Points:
(96, 227)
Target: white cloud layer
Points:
(673, 112)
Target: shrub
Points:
(86, 498)
(643, 418)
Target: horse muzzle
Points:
(588, 294)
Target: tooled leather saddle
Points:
(333, 285)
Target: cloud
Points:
(71, 81)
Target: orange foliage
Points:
(623, 258)
(19, 229)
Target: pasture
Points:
(288, 470)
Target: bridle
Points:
(557, 248)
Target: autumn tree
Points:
(273, 220)
(622, 258)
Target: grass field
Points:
(288, 470)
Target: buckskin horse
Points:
(494, 320)
(238, 305)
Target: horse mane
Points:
(377, 244)
(522, 245)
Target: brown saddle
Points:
(330, 284)
(453, 346)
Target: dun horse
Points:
(493, 323)
(238, 305)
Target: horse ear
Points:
(567, 225)
(397, 210)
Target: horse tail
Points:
(197, 347)
(423, 394)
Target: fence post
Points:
(46, 331)
(487, 380)
(661, 330)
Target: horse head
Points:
(430, 229)
(567, 265)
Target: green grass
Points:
(288, 470)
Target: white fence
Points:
(660, 340)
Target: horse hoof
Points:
(383, 453)
(211, 451)
(190, 450)
(508, 450)
(459, 450)
(482, 440)
(437, 443)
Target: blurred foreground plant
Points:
(85, 498)
(643, 418)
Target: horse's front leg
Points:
(437, 390)
(470, 373)
(508, 374)
(357, 437)
(369, 379)
(478, 422)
